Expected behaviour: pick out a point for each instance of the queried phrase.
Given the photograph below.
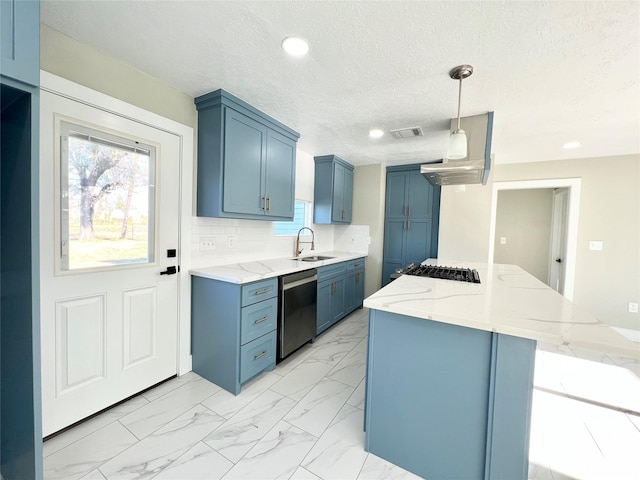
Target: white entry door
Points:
(109, 231)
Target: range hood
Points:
(474, 168)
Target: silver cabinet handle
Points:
(260, 320)
(408, 224)
(264, 290)
(264, 203)
(258, 357)
(268, 204)
(408, 211)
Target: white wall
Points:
(606, 281)
(369, 185)
(523, 219)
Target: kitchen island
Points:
(450, 368)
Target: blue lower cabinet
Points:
(233, 330)
(257, 356)
(323, 313)
(340, 292)
(354, 285)
(448, 402)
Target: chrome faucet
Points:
(298, 242)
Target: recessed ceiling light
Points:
(376, 133)
(295, 46)
(570, 145)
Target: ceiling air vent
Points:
(406, 132)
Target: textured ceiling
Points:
(552, 71)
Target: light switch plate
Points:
(633, 307)
(595, 245)
(503, 240)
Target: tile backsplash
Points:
(219, 241)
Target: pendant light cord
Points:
(459, 100)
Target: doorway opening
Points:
(557, 239)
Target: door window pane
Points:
(107, 200)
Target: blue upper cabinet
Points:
(333, 190)
(246, 161)
(20, 40)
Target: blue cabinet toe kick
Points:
(448, 402)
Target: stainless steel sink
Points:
(315, 258)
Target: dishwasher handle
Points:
(297, 283)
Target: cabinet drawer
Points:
(258, 291)
(258, 319)
(331, 270)
(257, 355)
(357, 264)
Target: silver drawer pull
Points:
(260, 320)
(264, 290)
(257, 357)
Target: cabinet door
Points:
(419, 196)
(393, 248)
(348, 195)
(337, 299)
(353, 291)
(20, 40)
(280, 175)
(396, 205)
(418, 241)
(323, 311)
(359, 289)
(337, 213)
(244, 162)
(350, 293)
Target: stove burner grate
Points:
(446, 273)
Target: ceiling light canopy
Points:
(295, 46)
(570, 145)
(376, 133)
(458, 139)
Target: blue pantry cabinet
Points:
(20, 411)
(246, 161)
(411, 219)
(333, 190)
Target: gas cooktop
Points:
(446, 273)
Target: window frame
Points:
(65, 125)
(307, 220)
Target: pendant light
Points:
(458, 139)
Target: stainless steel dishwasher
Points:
(297, 312)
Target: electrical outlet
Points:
(633, 307)
(207, 244)
(232, 241)
(503, 240)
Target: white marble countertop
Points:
(508, 300)
(247, 272)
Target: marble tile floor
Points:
(304, 421)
